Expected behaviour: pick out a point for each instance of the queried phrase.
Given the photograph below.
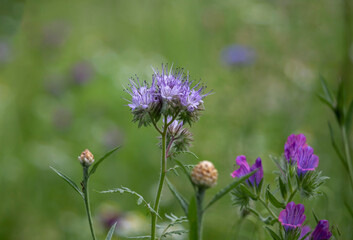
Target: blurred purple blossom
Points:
(244, 169)
(304, 231)
(322, 231)
(54, 34)
(109, 218)
(238, 55)
(292, 216)
(5, 52)
(294, 142)
(62, 118)
(306, 160)
(82, 73)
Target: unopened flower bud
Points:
(204, 174)
(86, 158)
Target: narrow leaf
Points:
(69, 181)
(273, 200)
(273, 234)
(228, 188)
(184, 170)
(349, 208)
(95, 166)
(183, 203)
(111, 232)
(282, 188)
(325, 101)
(326, 90)
(246, 190)
(339, 154)
(349, 117)
(192, 217)
(315, 217)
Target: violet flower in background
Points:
(306, 160)
(322, 231)
(244, 169)
(82, 73)
(292, 216)
(304, 231)
(291, 147)
(238, 55)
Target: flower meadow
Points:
(171, 103)
(176, 120)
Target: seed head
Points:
(86, 158)
(204, 174)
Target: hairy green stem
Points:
(347, 152)
(86, 199)
(161, 180)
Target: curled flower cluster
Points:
(170, 94)
(298, 152)
(293, 217)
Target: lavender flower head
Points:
(292, 216)
(170, 94)
(306, 160)
(244, 169)
(294, 142)
(322, 231)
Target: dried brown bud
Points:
(86, 158)
(204, 174)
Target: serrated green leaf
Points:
(97, 163)
(192, 217)
(333, 142)
(182, 201)
(111, 232)
(273, 234)
(69, 181)
(282, 188)
(175, 232)
(140, 198)
(228, 188)
(273, 200)
(349, 117)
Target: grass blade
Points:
(183, 203)
(111, 232)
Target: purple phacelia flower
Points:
(292, 216)
(244, 169)
(142, 95)
(304, 231)
(322, 231)
(294, 142)
(238, 55)
(175, 88)
(306, 160)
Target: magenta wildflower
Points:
(292, 216)
(322, 231)
(244, 169)
(291, 147)
(306, 160)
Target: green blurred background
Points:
(63, 65)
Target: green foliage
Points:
(99, 161)
(273, 234)
(69, 181)
(111, 231)
(310, 183)
(140, 199)
(273, 200)
(182, 201)
(240, 197)
(192, 217)
(174, 220)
